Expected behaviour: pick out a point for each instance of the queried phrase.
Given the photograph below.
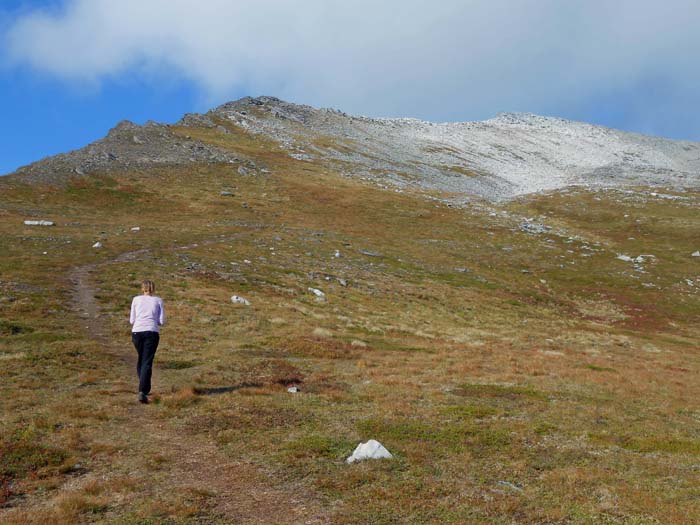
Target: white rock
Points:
(136, 229)
(39, 223)
(510, 485)
(98, 244)
(293, 390)
(696, 254)
(317, 292)
(371, 450)
(625, 258)
(235, 299)
(337, 254)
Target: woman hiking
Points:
(147, 315)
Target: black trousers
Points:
(146, 344)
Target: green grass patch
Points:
(597, 368)
(452, 437)
(498, 391)
(23, 454)
(649, 444)
(469, 411)
(316, 446)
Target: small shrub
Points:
(12, 328)
(323, 348)
(177, 365)
(273, 372)
(21, 455)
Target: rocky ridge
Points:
(127, 146)
(510, 155)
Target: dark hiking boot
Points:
(143, 398)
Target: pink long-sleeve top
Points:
(147, 313)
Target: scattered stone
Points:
(293, 390)
(510, 485)
(136, 229)
(322, 332)
(318, 293)
(534, 227)
(358, 344)
(371, 450)
(696, 254)
(337, 254)
(227, 194)
(235, 299)
(301, 156)
(39, 223)
(553, 353)
(98, 244)
(342, 282)
(625, 258)
(370, 254)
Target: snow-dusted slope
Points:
(510, 155)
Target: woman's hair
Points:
(148, 287)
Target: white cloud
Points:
(442, 59)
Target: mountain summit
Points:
(512, 154)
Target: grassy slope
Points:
(548, 363)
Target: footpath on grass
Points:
(240, 490)
(235, 490)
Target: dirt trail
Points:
(242, 492)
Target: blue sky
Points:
(71, 69)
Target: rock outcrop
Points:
(127, 146)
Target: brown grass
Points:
(571, 381)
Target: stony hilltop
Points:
(510, 155)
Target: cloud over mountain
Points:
(440, 60)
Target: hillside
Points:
(510, 155)
(526, 357)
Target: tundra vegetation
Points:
(515, 376)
